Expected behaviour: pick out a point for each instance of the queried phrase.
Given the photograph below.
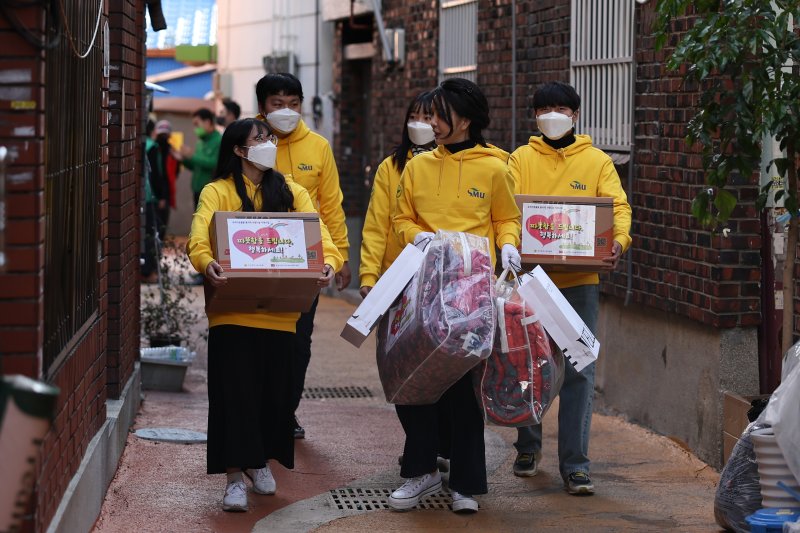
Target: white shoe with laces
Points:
(464, 504)
(413, 490)
(263, 482)
(235, 498)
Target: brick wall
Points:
(83, 377)
(125, 114)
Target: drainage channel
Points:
(347, 392)
(374, 499)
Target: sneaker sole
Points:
(584, 490)
(526, 473)
(409, 503)
(465, 507)
(234, 508)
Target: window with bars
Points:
(458, 39)
(72, 175)
(601, 70)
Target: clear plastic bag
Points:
(443, 324)
(783, 412)
(517, 384)
(168, 353)
(739, 492)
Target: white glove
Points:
(422, 237)
(510, 257)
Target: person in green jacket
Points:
(202, 160)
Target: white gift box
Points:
(389, 286)
(558, 317)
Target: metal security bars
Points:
(601, 70)
(458, 39)
(73, 102)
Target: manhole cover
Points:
(317, 393)
(177, 435)
(376, 499)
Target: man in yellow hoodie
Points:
(308, 158)
(560, 163)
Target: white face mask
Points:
(284, 120)
(262, 155)
(420, 133)
(554, 125)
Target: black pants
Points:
(196, 196)
(149, 253)
(163, 221)
(302, 355)
(467, 451)
(249, 420)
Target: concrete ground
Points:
(645, 482)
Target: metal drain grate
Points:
(377, 499)
(317, 393)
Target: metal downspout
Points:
(387, 52)
(629, 258)
(513, 75)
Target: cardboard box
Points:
(389, 286)
(566, 233)
(272, 261)
(734, 419)
(559, 319)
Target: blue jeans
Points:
(575, 397)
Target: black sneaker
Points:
(527, 464)
(299, 431)
(579, 483)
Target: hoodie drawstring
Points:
(460, 161)
(441, 166)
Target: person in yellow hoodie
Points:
(463, 185)
(250, 421)
(380, 245)
(561, 163)
(307, 157)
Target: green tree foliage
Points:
(741, 54)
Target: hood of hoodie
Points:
(478, 151)
(298, 134)
(582, 142)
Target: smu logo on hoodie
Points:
(475, 193)
(577, 185)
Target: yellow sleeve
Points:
(199, 244)
(303, 204)
(405, 217)
(611, 186)
(330, 202)
(515, 168)
(506, 217)
(377, 225)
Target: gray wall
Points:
(669, 373)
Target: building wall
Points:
(99, 360)
(251, 29)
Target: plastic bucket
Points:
(772, 469)
(772, 520)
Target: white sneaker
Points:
(235, 498)
(464, 504)
(413, 490)
(263, 482)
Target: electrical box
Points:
(397, 43)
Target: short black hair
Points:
(150, 127)
(556, 93)
(233, 107)
(204, 114)
(282, 82)
(466, 99)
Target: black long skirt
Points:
(249, 388)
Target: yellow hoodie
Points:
(577, 170)
(469, 191)
(379, 243)
(306, 157)
(221, 195)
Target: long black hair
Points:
(421, 102)
(275, 193)
(466, 99)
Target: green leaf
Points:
(724, 201)
(700, 209)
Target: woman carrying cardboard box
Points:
(250, 421)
